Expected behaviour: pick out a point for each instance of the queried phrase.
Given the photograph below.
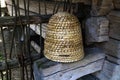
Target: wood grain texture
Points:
(36, 29)
(112, 47)
(34, 7)
(116, 4)
(35, 46)
(114, 17)
(87, 2)
(96, 29)
(11, 20)
(113, 59)
(110, 71)
(57, 71)
(101, 7)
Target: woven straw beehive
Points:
(63, 42)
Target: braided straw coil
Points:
(63, 42)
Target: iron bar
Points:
(54, 8)
(39, 8)
(70, 6)
(4, 50)
(21, 54)
(40, 38)
(65, 5)
(26, 70)
(13, 35)
(0, 8)
(40, 28)
(45, 5)
(25, 7)
(2, 75)
(17, 8)
(57, 8)
(22, 39)
(10, 74)
(28, 43)
(12, 9)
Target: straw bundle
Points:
(63, 42)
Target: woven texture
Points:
(63, 42)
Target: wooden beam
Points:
(113, 59)
(116, 4)
(34, 7)
(114, 17)
(112, 47)
(35, 46)
(101, 7)
(36, 29)
(22, 20)
(110, 71)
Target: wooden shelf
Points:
(49, 70)
(45, 69)
(35, 46)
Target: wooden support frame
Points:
(47, 70)
(10, 20)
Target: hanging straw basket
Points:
(63, 42)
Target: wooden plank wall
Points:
(112, 48)
(100, 8)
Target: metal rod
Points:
(21, 59)
(10, 74)
(39, 8)
(26, 70)
(40, 30)
(4, 50)
(16, 9)
(14, 29)
(40, 38)
(65, 5)
(23, 42)
(2, 75)
(22, 71)
(45, 7)
(70, 5)
(25, 7)
(21, 54)
(57, 8)
(54, 8)
(0, 8)
(28, 41)
(12, 9)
